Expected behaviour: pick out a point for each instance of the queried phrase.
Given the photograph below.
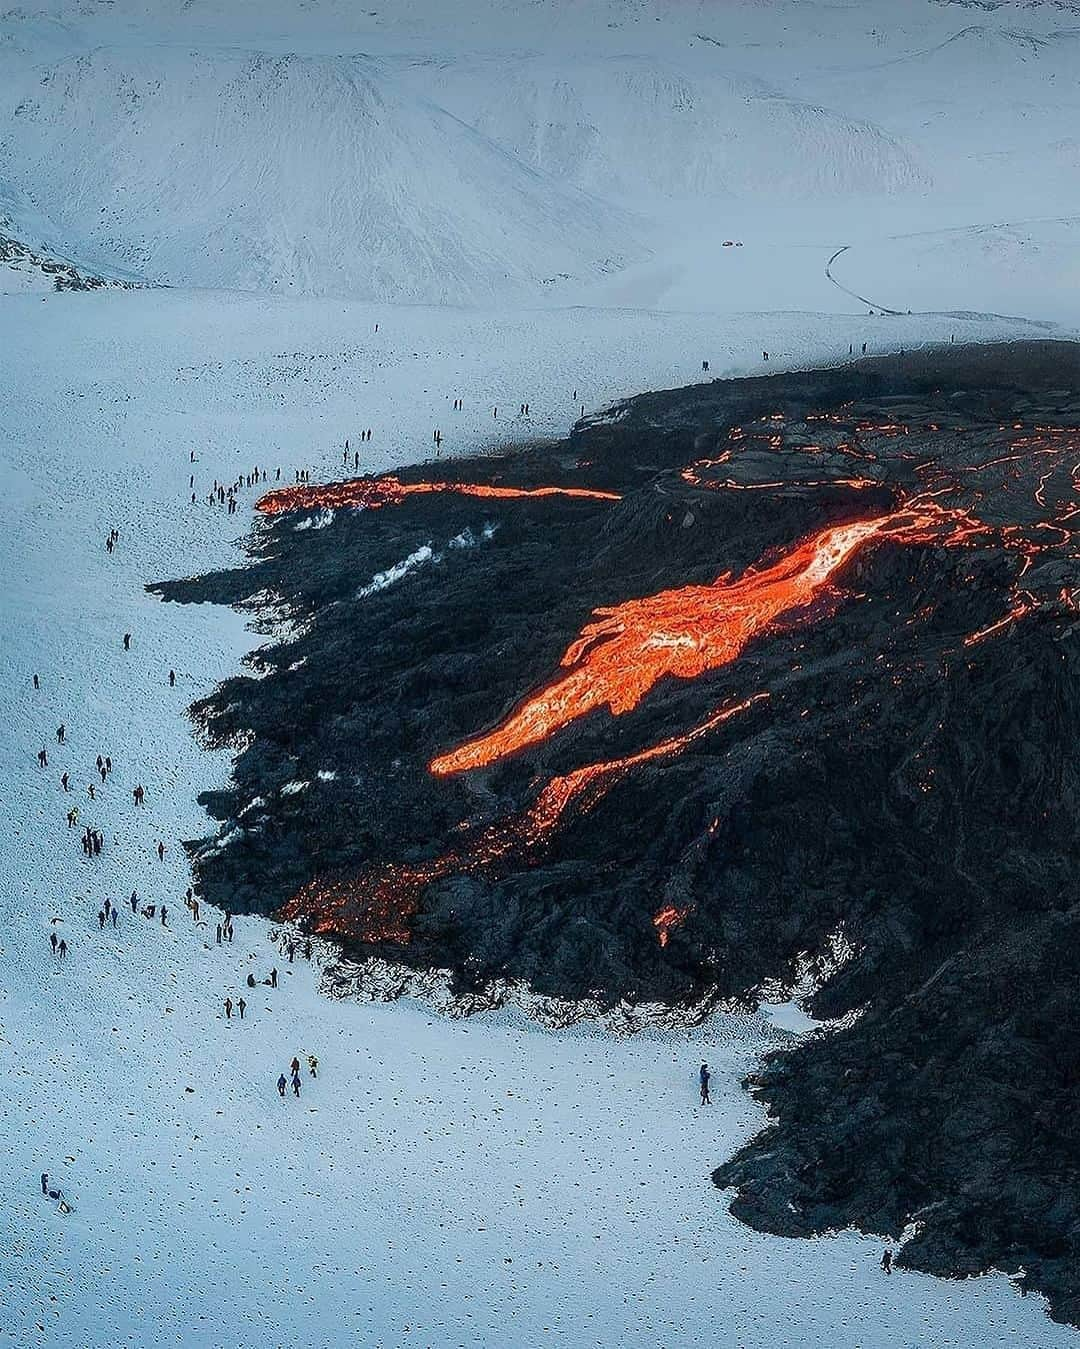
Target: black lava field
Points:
(738, 684)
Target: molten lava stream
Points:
(371, 493)
(683, 633)
(376, 906)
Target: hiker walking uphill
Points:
(703, 1078)
(281, 1085)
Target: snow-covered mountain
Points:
(539, 154)
(259, 171)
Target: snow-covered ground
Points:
(572, 170)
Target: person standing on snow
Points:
(886, 1261)
(241, 1007)
(703, 1077)
(296, 1085)
(281, 1085)
(228, 1009)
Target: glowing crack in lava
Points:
(376, 906)
(683, 633)
(666, 920)
(372, 493)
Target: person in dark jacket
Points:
(703, 1077)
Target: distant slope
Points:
(317, 173)
(629, 127)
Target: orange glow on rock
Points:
(666, 919)
(377, 906)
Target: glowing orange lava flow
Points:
(683, 633)
(377, 906)
(371, 493)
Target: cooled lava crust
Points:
(783, 673)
